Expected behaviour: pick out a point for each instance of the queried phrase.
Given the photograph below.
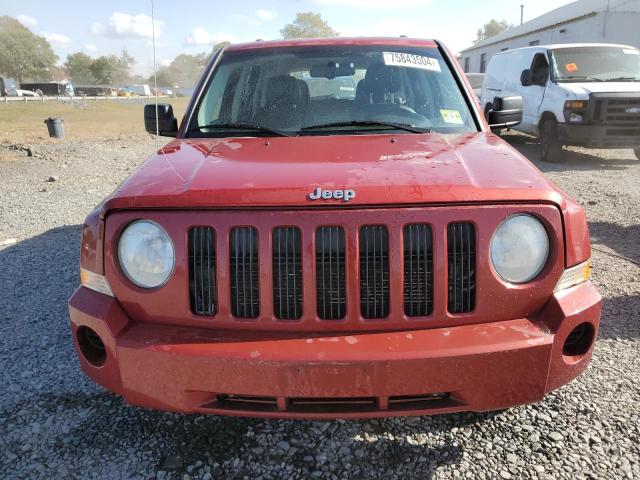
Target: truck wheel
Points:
(637, 152)
(550, 147)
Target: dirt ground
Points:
(55, 423)
(83, 120)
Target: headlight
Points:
(146, 254)
(519, 248)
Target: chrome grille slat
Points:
(245, 297)
(202, 272)
(330, 273)
(461, 266)
(374, 271)
(287, 273)
(418, 270)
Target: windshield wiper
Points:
(369, 123)
(623, 79)
(579, 77)
(246, 127)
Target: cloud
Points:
(56, 38)
(123, 25)
(245, 19)
(455, 37)
(97, 29)
(266, 15)
(200, 37)
(27, 21)
(164, 62)
(395, 4)
(90, 47)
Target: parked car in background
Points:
(96, 91)
(476, 79)
(307, 250)
(574, 94)
(141, 90)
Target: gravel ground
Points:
(55, 423)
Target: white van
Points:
(573, 94)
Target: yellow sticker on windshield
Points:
(452, 116)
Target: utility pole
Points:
(521, 14)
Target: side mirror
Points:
(526, 78)
(506, 112)
(167, 123)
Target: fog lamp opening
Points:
(579, 341)
(91, 346)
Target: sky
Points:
(186, 26)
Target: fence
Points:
(62, 98)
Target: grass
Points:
(83, 120)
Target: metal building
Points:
(584, 21)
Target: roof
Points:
(558, 46)
(567, 13)
(360, 41)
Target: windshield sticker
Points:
(571, 67)
(630, 51)
(397, 59)
(452, 116)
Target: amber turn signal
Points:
(95, 282)
(574, 276)
(575, 105)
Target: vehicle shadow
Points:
(572, 160)
(624, 241)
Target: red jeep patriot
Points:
(334, 232)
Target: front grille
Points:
(461, 248)
(202, 270)
(613, 111)
(287, 273)
(330, 273)
(333, 266)
(244, 272)
(418, 270)
(374, 271)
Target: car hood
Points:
(587, 88)
(382, 170)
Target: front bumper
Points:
(414, 372)
(598, 136)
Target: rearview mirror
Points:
(526, 78)
(167, 122)
(332, 70)
(506, 112)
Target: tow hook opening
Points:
(91, 346)
(579, 341)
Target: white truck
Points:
(141, 90)
(573, 94)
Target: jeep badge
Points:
(344, 195)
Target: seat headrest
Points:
(283, 90)
(379, 80)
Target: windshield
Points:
(324, 90)
(596, 64)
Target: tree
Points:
(78, 66)
(184, 70)
(24, 55)
(308, 25)
(492, 28)
(107, 70)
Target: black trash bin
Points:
(55, 127)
